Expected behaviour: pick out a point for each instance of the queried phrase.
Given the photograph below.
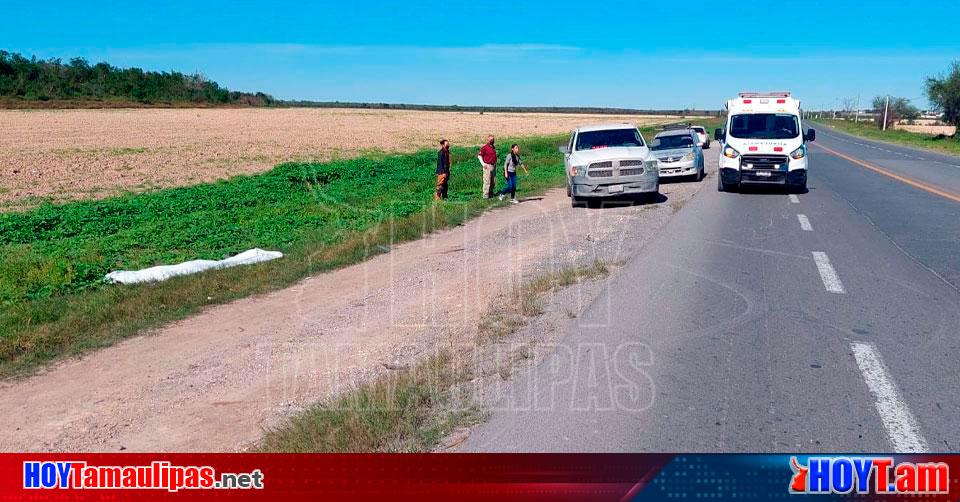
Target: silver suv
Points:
(609, 160)
(679, 153)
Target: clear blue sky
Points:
(664, 54)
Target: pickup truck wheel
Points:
(569, 194)
(576, 201)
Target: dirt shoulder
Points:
(215, 381)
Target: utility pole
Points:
(886, 108)
(856, 120)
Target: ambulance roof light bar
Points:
(773, 94)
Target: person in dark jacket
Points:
(443, 170)
(510, 165)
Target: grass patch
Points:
(529, 296)
(412, 410)
(295, 203)
(522, 303)
(402, 412)
(869, 130)
(127, 151)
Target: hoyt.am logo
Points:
(877, 475)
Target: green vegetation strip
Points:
(411, 410)
(871, 131)
(321, 215)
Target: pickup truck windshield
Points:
(671, 142)
(590, 140)
(764, 126)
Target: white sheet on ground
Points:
(164, 272)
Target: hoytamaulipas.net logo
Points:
(159, 475)
(874, 475)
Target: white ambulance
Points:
(763, 142)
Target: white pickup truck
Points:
(609, 160)
(763, 142)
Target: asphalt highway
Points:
(765, 322)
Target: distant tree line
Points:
(35, 79)
(499, 109)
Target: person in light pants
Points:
(510, 173)
(488, 160)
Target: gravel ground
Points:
(69, 154)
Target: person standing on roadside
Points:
(443, 170)
(488, 161)
(510, 173)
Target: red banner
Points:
(304, 477)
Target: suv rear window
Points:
(671, 141)
(609, 138)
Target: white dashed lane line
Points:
(794, 198)
(902, 427)
(804, 223)
(831, 280)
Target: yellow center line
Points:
(916, 184)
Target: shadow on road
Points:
(678, 179)
(770, 190)
(626, 201)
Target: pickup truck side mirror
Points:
(564, 149)
(811, 135)
(718, 134)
